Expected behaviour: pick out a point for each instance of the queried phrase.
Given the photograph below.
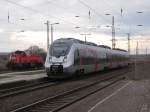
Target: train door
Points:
(109, 61)
(103, 58)
(76, 57)
(77, 62)
(95, 61)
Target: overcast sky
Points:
(22, 21)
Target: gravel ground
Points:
(140, 71)
(11, 103)
(126, 96)
(3, 61)
(132, 95)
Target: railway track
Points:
(21, 72)
(26, 88)
(62, 100)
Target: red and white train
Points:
(68, 56)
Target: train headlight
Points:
(65, 59)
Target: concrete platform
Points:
(21, 76)
(124, 96)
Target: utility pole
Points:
(128, 42)
(113, 33)
(135, 62)
(51, 34)
(52, 31)
(47, 24)
(146, 51)
(85, 34)
(137, 49)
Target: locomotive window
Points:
(20, 52)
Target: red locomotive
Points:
(20, 59)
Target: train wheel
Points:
(106, 68)
(38, 65)
(79, 73)
(8, 65)
(82, 71)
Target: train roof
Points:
(90, 43)
(104, 46)
(118, 49)
(72, 40)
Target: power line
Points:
(116, 10)
(109, 5)
(33, 10)
(76, 15)
(64, 8)
(92, 9)
(42, 15)
(36, 11)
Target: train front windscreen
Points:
(58, 50)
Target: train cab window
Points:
(58, 50)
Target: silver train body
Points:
(67, 57)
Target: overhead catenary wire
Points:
(77, 15)
(87, 6)
(47, 16)
(116, 10)
(107, 2)
(93, 10)
(42, 15)
(97, 13)
(38, 12)
(61, 19)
